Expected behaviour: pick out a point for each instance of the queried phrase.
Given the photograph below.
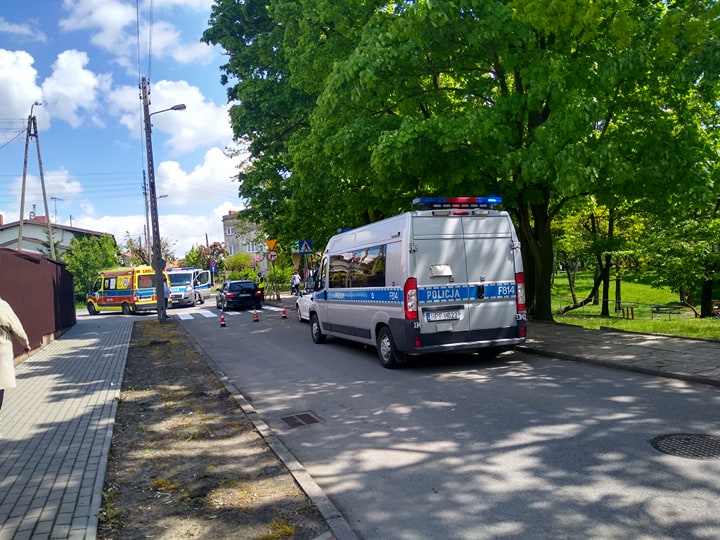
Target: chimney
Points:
(1, 220)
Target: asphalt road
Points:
(458, 448)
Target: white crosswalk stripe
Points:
(215, 314)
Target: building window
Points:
(230, 231)
(251, 247)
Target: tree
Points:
(200, 256)
(684, 254)
(138, 254)
(88, 255)
(362, 108)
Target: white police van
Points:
(445, 278)
(189, 286)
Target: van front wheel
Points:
(91, 309)
(316, 329)
(387, 353)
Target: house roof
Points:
(40, 220)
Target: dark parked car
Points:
(239, 294)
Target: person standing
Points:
(295, 283)
(261, 286)
(10, 326)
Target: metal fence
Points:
(40, 292)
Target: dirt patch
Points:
(186, 462)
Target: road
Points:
(457, 448)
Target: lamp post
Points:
(158, 263)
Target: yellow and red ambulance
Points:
(127, 290)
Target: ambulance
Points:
(127, 290)
(442, 279)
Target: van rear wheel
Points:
(126, 309)
(316, 329)
(389, 356)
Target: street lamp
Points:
(158, 263)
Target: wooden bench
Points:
(666, 310)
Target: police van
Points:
(446, 278)
(189, 286)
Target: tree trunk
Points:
(706, 299)
(605, 307)
(534, 232)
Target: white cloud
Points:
(200, 125)
(210, 180)
(109, 18)
(74, 93)
(114, 28)
(27, 31)
(18, 89)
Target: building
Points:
(243, 237)
(239, 236)
(35, 235)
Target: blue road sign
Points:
(305, 247)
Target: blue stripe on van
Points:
(465, 292)
(378, 295)
(426, 295)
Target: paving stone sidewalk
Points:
(56, 431)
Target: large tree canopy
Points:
(355, 108)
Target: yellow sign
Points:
(271, 244)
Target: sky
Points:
(82, 62)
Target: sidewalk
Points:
(677, 358)
(56, 430)
(56, 426)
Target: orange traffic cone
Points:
(222, 319)
(284, 313)
(255, 316)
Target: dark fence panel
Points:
(40, 291)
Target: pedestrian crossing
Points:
(212, 314)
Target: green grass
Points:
(636, 315)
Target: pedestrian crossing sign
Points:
(305, 247)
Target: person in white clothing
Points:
(10, 326)
(295, 283)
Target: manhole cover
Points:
(688, 445)
(301, 419)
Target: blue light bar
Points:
(457, 202)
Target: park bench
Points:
(666, 310)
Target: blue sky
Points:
(83, 61)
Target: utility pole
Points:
(158, 263)
(32, 131)
(147, 220)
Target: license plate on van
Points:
(437, 316)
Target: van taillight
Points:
(520, 284)
(410, 294)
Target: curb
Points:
(340, 529)
(617, 366)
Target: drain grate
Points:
(301, 419)
(688, 445)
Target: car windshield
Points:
(180, 279)
(242, 286)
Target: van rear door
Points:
(466, 275)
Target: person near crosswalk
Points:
(295, 283)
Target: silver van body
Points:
(189, 286)
(429, 281)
